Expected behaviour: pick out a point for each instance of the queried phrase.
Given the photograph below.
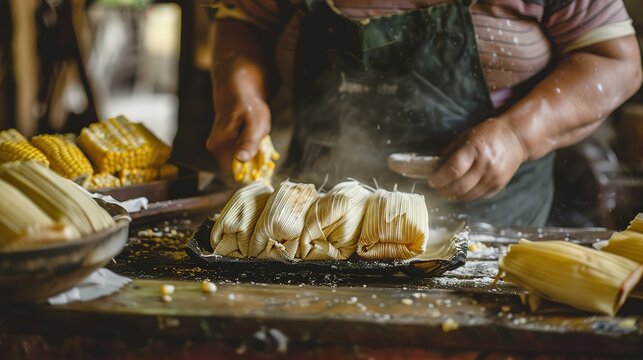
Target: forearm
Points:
(572, 101)
(238, 64)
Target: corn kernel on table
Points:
(304, 316)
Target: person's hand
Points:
(240, 124)
(480, 162)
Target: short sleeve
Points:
(567, 21)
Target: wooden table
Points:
(306, 316)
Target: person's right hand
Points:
(241, 121)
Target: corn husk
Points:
(233, 228)
(23, 223)
(334, 223)
(396, 226)
(571, 274)
(628, 243)
(61, 199)
(280, 225)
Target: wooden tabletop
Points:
(304, 315)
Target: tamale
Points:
(280, 225)
(395, 226)
(571, 274)
(334, 223)
(232, 230)
(628, 244)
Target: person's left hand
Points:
(480, 162)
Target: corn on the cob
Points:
(334, 223)
(61, 199)
(103, 181)
(19, 151)
(233, 229)
(11, 135)
(581, 277)
(64, 157)
(261, 167)
(396, 226)
(117, 144)
(168, 171)
(280, 225)
(15, 147)
(23, 223)
(628, 244)
(137, 176)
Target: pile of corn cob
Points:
(585, 278)
(40, 206)
(107, 154)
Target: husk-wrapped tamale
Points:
(395, 226)
(334, 222)
(571, 274)
(280, 225)
(233, 229)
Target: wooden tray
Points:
(185, 185)
(447, 250)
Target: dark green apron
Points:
(407, 82)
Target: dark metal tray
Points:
(447, 250)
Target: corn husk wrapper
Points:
(24, 224)
(571, 274)
(628, 243)
(232, 230)
(334, 223)
(59, 198)
(280, 225)
(395, 226)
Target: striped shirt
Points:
(517, 39)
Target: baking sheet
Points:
(447, 250)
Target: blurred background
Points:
(67, 63)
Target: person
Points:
(495, 87)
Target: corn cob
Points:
(628, 244)
(137, 176)
(117, 144)
(15, 147)
(334, 223)
(281, 222)
(64, 157)
(168, 171)
(61, 199)
(23, 223)
(232, 230)
(396, 226)
(103, 181)
(261, 167)
(19, 151)
(581, 277)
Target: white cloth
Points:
(101, 282)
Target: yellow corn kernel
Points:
(137, 176)
(167, 289)
(64, 157)
(11, 135)
(168, 171)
